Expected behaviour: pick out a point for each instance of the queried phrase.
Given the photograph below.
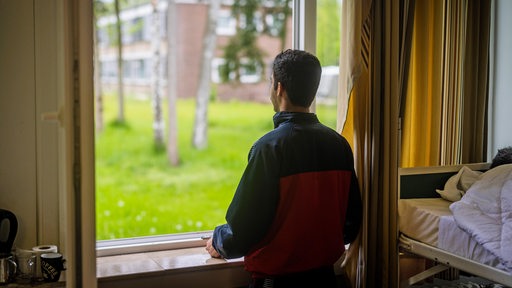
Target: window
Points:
(138, 194)
(249, 72)
(328, 51)
(226, 24)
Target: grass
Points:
(139, 194)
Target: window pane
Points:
(328, 51)
(138, 191)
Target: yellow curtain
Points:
(353, 79)
(446, 83)
(444, 120)
(424, 87)
(371, 127)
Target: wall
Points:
(29, 146)
(502, 86)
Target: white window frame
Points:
(230, 28)
(304, 38)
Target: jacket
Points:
(297, 202)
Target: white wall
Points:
(29, 146)
(501, 135)
(17, 117)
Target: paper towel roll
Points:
(41, 249)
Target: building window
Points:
(226, 24)
(250, 72)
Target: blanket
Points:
(485, 212)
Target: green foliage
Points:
(328, 31)
(242, 52)
(139, 194)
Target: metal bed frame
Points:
(421, 183)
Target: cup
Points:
(51, 266)
(7, 269)
(26, 261)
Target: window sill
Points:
(187, 267)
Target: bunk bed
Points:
(427, 227)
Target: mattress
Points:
(419, 218)
(430, 221)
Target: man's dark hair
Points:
(299, 74)
(504, 156)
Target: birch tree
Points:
(200, 138)
(172, 91)
(99, 10)
(120, 88)
(158, 122)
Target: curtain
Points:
(354, 50)
(445, 108)
(425, 83)
(414, 94)
(476, 82)
(370, 83)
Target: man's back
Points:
(314, 176)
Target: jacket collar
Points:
(295, 117)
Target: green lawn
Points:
(139, 194)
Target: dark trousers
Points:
(317, 278)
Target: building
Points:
(191, 19)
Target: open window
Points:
(144, 203)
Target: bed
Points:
(427, 228)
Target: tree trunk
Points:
(158, 122)
(172, 91)
(97, 81)
(200, 138)
(120, 90)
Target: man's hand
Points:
(211, 250)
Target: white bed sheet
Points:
(419, 218)
(430, 221)
(455, 240)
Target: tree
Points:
(328, 35)
(242, 51)
(158, 122)
(120, 88)
(172, 92)
(200, 135)
(99, 9)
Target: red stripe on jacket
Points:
(311, 201)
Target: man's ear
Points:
(280, 90)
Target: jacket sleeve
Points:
(354, 212)
(252, 209)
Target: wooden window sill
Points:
(187, 267)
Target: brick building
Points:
(191, 26)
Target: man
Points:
(504, 156)
(298, 200)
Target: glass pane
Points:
(138, 191)
(328, 52)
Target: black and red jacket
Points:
(297, 203)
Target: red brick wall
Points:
(192, 21)
(191, 26)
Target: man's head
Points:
(298, 74)
(504, 156)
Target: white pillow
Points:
(458, 184)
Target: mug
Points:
(51, 266)
(26, 261)
(7, 269)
